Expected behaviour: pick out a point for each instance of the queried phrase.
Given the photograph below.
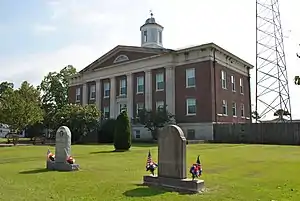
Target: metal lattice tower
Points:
(272, 90)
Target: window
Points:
(78, 94)
(140, 85)
(160, 82)
(121, 58)
(122, 87)
(190, 134)
(106, 112)
(159, 36)
(224, 107)
(191, 106)
(137, 134)
(160, 105)
(234, 109)
(224, 80)
(242, 110)
(190, 77)
(241, 85)
(106, 89)
(232, 83)
(139, 107)
(145, 36)
(92, 92)
(123, 107)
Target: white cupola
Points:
(151, 33)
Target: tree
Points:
(21, 108)
(107, 131)
(256, 116)
(297, 80)
(80, 119)
(122, 138)
(54, 88)
(280, 113)
(153, 120)
(5, 86)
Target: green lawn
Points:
(231, 172)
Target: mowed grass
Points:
(231, 172)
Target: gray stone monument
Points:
(172, 172)
(62, 151)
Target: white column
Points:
(148, 90)
(84, 94)
(129, 87)
(98, 94)
(170, 89)
(112, 109)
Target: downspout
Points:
(249, 93)
(215, 86)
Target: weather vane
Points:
(151, 13)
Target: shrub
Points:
(107, 131)
(122, 137)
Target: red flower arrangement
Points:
(70, 160)
(196, 169)
(50, 156)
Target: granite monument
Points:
(62, 151)
(172, 172)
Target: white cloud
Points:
(230, 24)
(38, 29)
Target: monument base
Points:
(52, 165)
(179, 185)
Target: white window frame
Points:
(224, 106)
(241, 85)
(191, 102)
(93, 92)
(159, 104)
(138, 80)
(145, 36)
(159, 78)
(159, 36)
(122, 106)
(242, 110)
(106, 110)
(78, 94)
(190, 74)
(123, 86)
(224, 79)
(139, 106)
(106, 87)
(234, 114)
(233, 83)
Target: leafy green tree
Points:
(107, 131)
(5, 86)
(21, 107)
(155, 119)
(297, 80)
(80, 119)
(122, 138)
(54, 88)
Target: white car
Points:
(4, 130)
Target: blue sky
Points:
(38, 36)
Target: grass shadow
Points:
(143, 192)
(35, 171)
(144, 144)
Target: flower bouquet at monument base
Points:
(50, 156)
(196, 169)
(150, 165)
(71, 160)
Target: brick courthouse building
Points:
(201, 85)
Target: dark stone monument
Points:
(62, 151)
(172, 172)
